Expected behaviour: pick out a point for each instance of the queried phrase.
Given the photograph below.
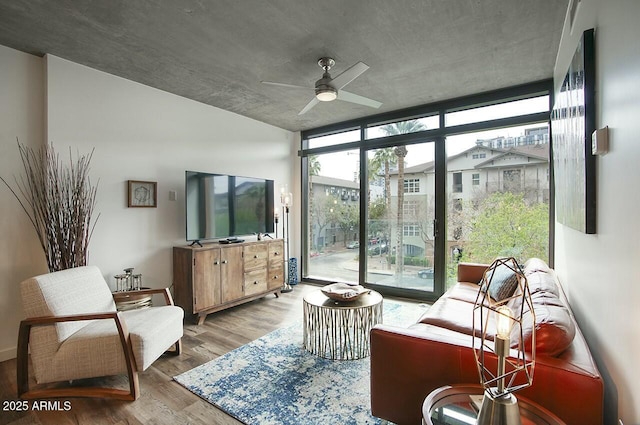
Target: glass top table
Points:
(459, 404)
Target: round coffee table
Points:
(460, 404)
(339, 330)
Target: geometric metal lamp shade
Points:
(499, 345)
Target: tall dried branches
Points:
(59, 201)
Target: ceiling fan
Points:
(328, 88)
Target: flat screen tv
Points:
(220, 206)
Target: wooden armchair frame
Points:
(24, 335)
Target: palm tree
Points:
(374, 167)
(314, 169)
(385, 158)
(400, 152)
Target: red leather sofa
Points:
(408, 363)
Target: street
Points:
(342, 266)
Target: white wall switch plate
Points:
(600, 141)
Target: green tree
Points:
(323, 215)
(377, 209)
(508, 226)
(346, 218)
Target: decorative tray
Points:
(344, 291)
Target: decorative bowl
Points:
(344, 291)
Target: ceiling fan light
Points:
(326, 95)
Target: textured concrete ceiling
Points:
(217, 52)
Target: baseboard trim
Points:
(8, 354)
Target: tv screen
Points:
(219, 206)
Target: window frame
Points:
(411, 185)
(475, 179)
(436, 135)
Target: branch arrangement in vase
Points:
(59, 200)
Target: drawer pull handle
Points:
(215, 263)
(255, 282)
(275, 277)
(276, 253)
(225, 262)
(255, 256)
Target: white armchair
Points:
(74, 331)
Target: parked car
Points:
(425, 273)
(353, 245)
(377, 249)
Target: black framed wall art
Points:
(572, 123)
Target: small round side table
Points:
(129, 300)
(460, 404)
(339, 330)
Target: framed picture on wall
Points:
(573, 120)
(141, 194)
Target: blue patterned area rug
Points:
(273, 380)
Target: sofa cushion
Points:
(464, 291)
(456, 315)
(555, 328)
(542, 282)
(535, 265)
(502, 282)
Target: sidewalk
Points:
(377, 265)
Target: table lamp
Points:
(503, 364)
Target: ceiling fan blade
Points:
(360, 100)
(310, 105)
(349, 75)
(292, 86)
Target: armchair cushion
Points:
(152, 330)
(73, 291)
(95, 350)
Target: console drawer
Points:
(255, 281)
(255, 256)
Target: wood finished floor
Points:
(163, 401)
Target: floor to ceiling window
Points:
(498, 195)
(333, 216)
(394, 201)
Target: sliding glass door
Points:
(401, 214)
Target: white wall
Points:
(139, 133)
(21, 112)
(601, 270)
